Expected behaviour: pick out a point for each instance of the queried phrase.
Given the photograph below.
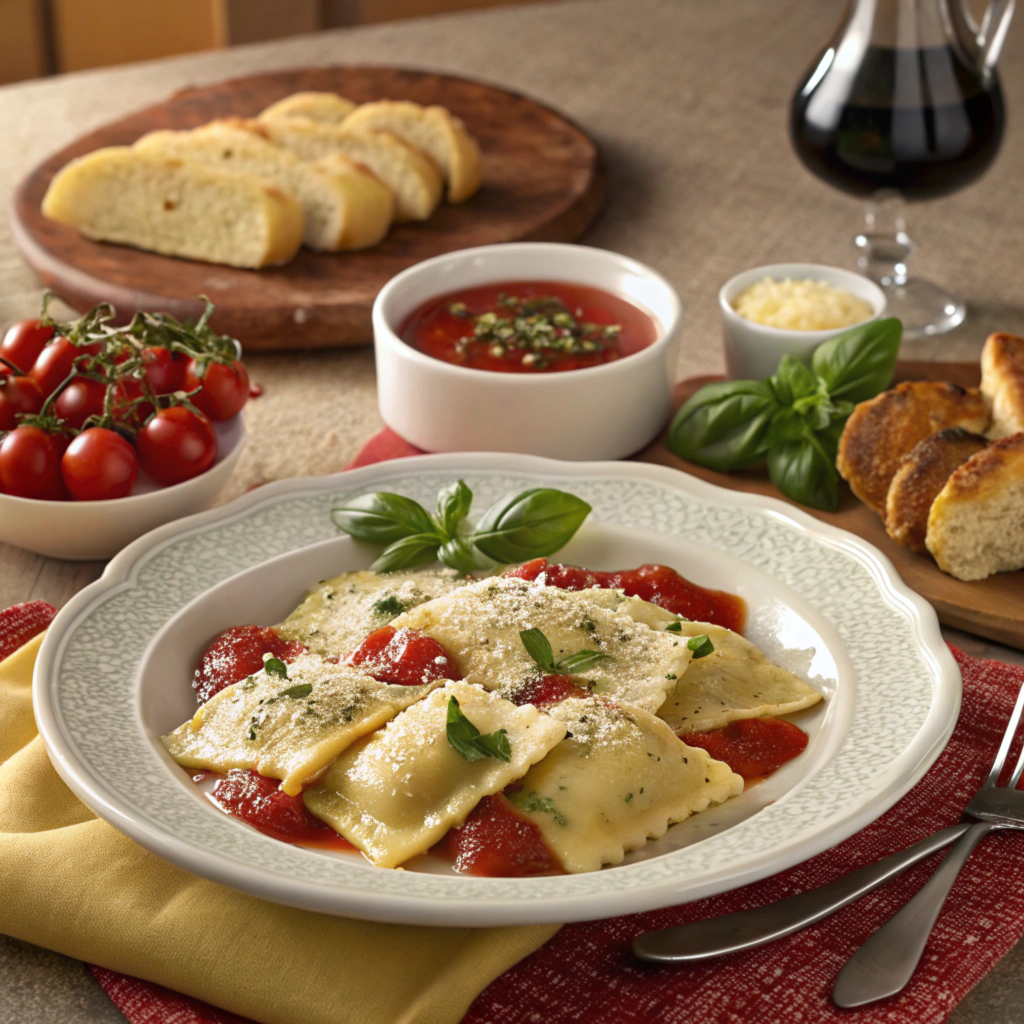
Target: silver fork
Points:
(748, 929)
(888, 959)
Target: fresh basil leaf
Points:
(383, 518)
(701, 646)
(573, 664)
(418, 549)
(529, 525)
(539, 648)
(676, 627)
(275, 667)
(453, 504)
(724, 425)
(803, 471)
(792, 380)
(467, 740)
(297, 692)
(460, 553)
(858, 364)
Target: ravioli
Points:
(619, 778)
(336, 616)
(479, 626)
(735, 681)
(397, 792)
(289, 728)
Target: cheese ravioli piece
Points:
(735, 681)
(479, 626)
(335, 618)
(619, 778)
(289, 729)
(398, 792)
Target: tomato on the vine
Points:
(56, 361)
(82, 398)
(176, 444)
(164, 370)
(17, 395)
(127, 391)
(30, 464)
(23, 342)
(225, 388)
(98, 465)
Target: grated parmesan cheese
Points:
(806, 305)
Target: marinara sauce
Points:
(529, 327)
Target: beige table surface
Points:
(688, 101)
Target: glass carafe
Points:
(904, 103)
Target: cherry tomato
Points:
(225, 388)
(23, 342)
(127, 391)
(164, 370)
(30, 464)
(56, 361)
(98, 465)
(82, 398)
(176, 444)
(17, 394)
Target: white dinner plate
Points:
(115, 669)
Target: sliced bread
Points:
(436, 131)
(881, 431)
(328, 107)
(410, 174)
(976, 524)
(1002, 383)
(344, 205)
(176, 207)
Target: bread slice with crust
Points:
(328, 107)
(976, 524)
(411, 175)
(881, 431)
(1002, 383)
(436, 131)
(920, 477)
(176, 207)
(345, 206)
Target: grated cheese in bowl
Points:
(806, 305)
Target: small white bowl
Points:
(752, 350)
(600, 412)
(85, 530)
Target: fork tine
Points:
(1004, 747)
(1015, 778)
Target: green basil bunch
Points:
(531, 524)
(792, 420)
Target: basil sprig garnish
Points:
(275, 667)
(792, 420)
(701, 646)
(532, 524)
(538, 646)
(468, 741)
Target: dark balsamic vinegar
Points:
(921, 121)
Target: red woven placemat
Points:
(586, 972)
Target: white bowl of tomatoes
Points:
(108, 432)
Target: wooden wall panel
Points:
(23, 48)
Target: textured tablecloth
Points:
(688, 100)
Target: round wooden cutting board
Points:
(542, 179)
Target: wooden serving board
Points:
(992, 608)
(543, 179)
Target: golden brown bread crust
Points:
(881, 431)
(920, 477)
(981, 474)
(1002, 382)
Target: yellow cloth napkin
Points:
(73, 883)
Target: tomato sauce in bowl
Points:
(529, 327)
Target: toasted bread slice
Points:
(436, 131)
(176, 207)
(976, 525)
(1002, 383)
(881, 431)
(344, 205)
(328, 107)
(411, 175)
(922, 474)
